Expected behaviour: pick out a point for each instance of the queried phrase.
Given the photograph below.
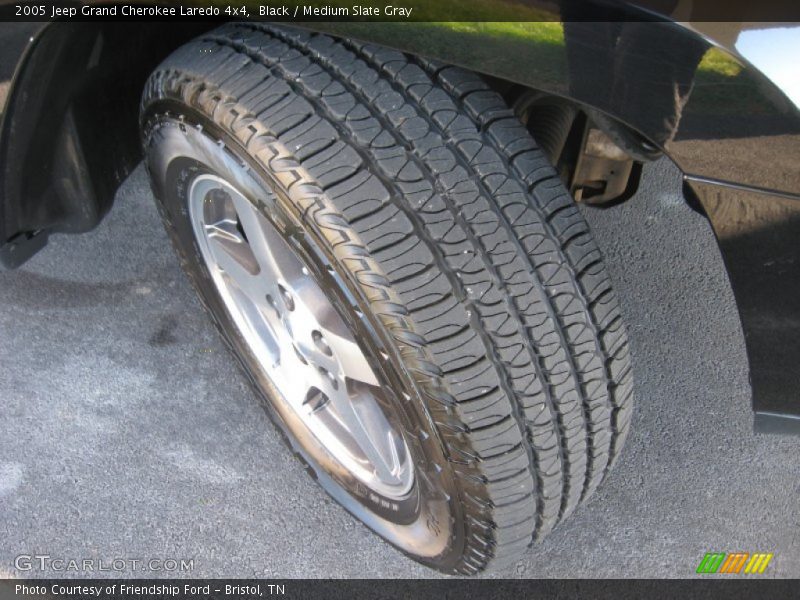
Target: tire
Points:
(448, 245)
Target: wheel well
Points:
(598, 158)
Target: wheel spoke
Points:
(231, 259)
(366, 429)
(351, 358)
(269, 249)
(265, 345)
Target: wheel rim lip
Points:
(265, 342)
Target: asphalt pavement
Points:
(127, 431)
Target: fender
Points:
(683, 89)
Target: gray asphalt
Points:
(128, 432)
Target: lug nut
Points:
(287, 297)
(320, 343)
(331, 377)
(274, 305)
(315, 399)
